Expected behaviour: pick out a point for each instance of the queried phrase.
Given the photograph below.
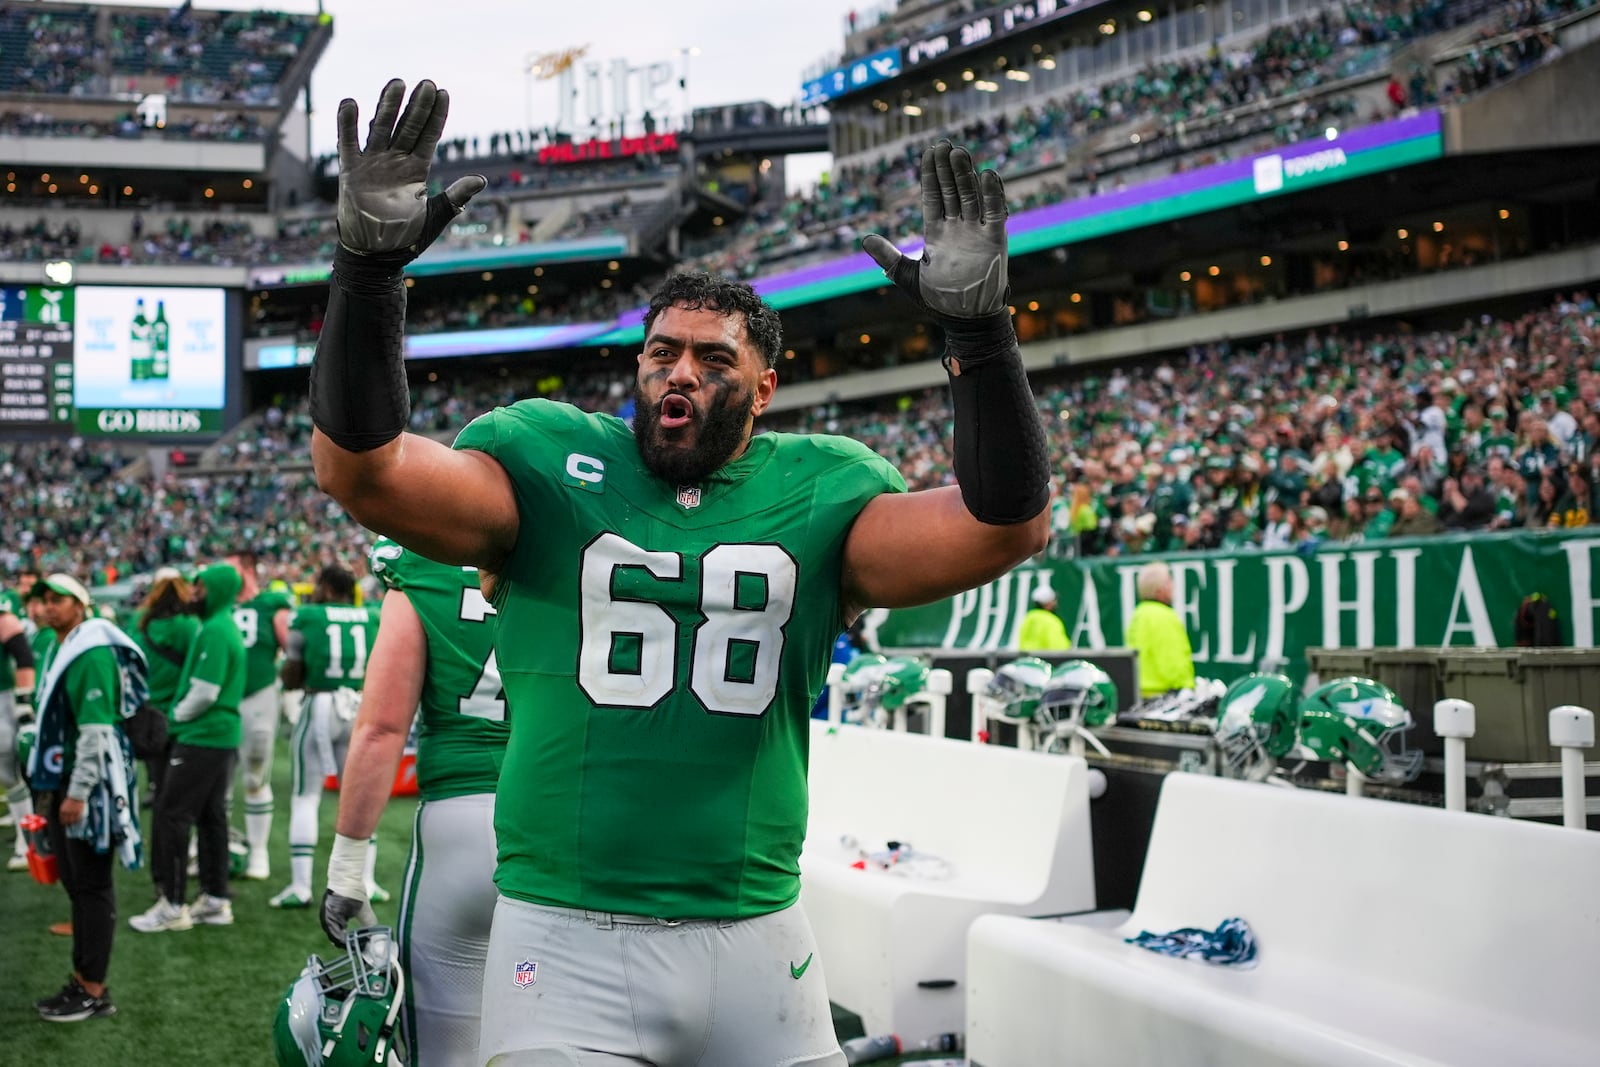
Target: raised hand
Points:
(962, 272)
(383, 204)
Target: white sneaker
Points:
(17, 862)
(295, 896)
(213, 911)
(163, 915)
(258, 868)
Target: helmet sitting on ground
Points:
(1361, 723)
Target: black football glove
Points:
(340, 913)
(384, 209)
(962, 272)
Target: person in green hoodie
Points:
(205, 733)
(164, 629)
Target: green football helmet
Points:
(1257, 722)
(1361, 723)
(1016, 687)
(1080, 693)
(343, 1013)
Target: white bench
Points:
(1387, 934)
(1014, 827)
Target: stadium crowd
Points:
(1330, 435)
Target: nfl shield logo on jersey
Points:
(527, 974)
(689, 496)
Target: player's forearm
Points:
(1001, 458)
(369, 770)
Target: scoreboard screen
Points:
(36, 354)
(149, 359)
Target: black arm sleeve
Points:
(1001, 461)
(21, 652)
(359, 396)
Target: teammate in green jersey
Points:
(329, 641)
(263, 620)
(434, 661)
(16, 707)
(668, 597)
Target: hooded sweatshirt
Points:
(206, 713)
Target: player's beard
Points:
(718, 434)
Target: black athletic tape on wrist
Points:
(359, 396)
(20, 651)
(1001, 461)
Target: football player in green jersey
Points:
(668, 596)
(16, 707)
(329, 641)
(263, 620)
(434, 662)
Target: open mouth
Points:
(676, 412)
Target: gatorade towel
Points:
(1231, 944)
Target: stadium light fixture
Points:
(487, 275)
(967, 75)
(11, 187)
(52, 187)
(1331, 133)
(94, 190)
(44, 177)
(1504, 214)
(866, 338)
(912, 109)
(1402, 233)
(538, 272)
(716, 220)
(248, 184)
(83, 179)
(210, 192)
(1048, 63)
(1077, 298)
(605, 283)
(411, 283)
(1266, 261)
(127, 190)
(1185, 276)
(1108, 27)
(1438, 227)
(788, 353)
(939, 86)
(1213, 270)
(986, 86)
(613, 265)
(1344, 246)
(533, 290)
(1033, 305)
(1145, 15)
(1019, 75)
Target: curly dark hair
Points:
(337, 584)
(695, 290)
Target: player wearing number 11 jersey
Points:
(329, 641)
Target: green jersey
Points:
(10, 602)
(254, 619)
(462, 730)
(338, 639)
(661, 648)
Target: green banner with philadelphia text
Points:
(1241, 608)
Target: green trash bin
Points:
(1489, 679)
(1551, 677)
(1326, 664)
(1413, 673)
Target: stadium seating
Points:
(1387, 933)
(1006, 831)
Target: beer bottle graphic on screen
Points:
(139, 344)
(160, 343)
